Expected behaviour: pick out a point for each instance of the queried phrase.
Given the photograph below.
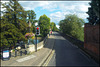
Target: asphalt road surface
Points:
(66, 54)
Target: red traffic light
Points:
(37, 28)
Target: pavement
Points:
(34, 59)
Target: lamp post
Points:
(29, 31)
(29, 26)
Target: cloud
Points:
(82, 15)
(57, 26)
(58, 9)
(70, 7)
(57, 16)
(48, 5)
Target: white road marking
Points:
(25, 58)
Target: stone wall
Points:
(39, 45)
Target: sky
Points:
(56, 10)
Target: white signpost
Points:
(6, 55)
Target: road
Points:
(66, 54)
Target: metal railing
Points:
(45, 40)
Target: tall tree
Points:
(95, 4)
(10, 35)
(53, 26)
(93, 12)
(44, 23)
(15, 14)
(31, 16)
(13, 23)
(72, 25)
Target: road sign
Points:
(6, 54)
(37, 30)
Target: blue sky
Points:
(56, 10)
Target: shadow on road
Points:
(66, 54)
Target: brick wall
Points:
(91, 39)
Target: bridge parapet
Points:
(91, 39)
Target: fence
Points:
(42, 43)
(31, 48)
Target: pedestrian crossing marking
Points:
(25, 58)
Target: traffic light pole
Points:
(37, 33)
(36, 44)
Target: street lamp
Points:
(29, 30)
(29, 26)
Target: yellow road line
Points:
(49, 58)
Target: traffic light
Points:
(37, 30)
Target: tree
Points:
(10, 35)
(53, 26)
(15, 14)
(93, 12)
(95, 5)
(72, 25)
(31, 18)
(13, 24)
(44, 23)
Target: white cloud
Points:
(57, 16)
(57, 26)
(75, 7)
(60, 8)
(67, 7)
(28, 8)
(49, 5)
(83, 8)
(82, 15)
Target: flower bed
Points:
(29, 35)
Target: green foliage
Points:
(93, 12)
(72, 25)
(95, 4)
(10, 34)
(13, 24)
(15, 14)
(31, 17)
(53, 26)
(44, 23)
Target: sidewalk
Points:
(34, 59)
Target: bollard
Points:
(15, 52)
(10, 53)
(25, 52)
(20, 52)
